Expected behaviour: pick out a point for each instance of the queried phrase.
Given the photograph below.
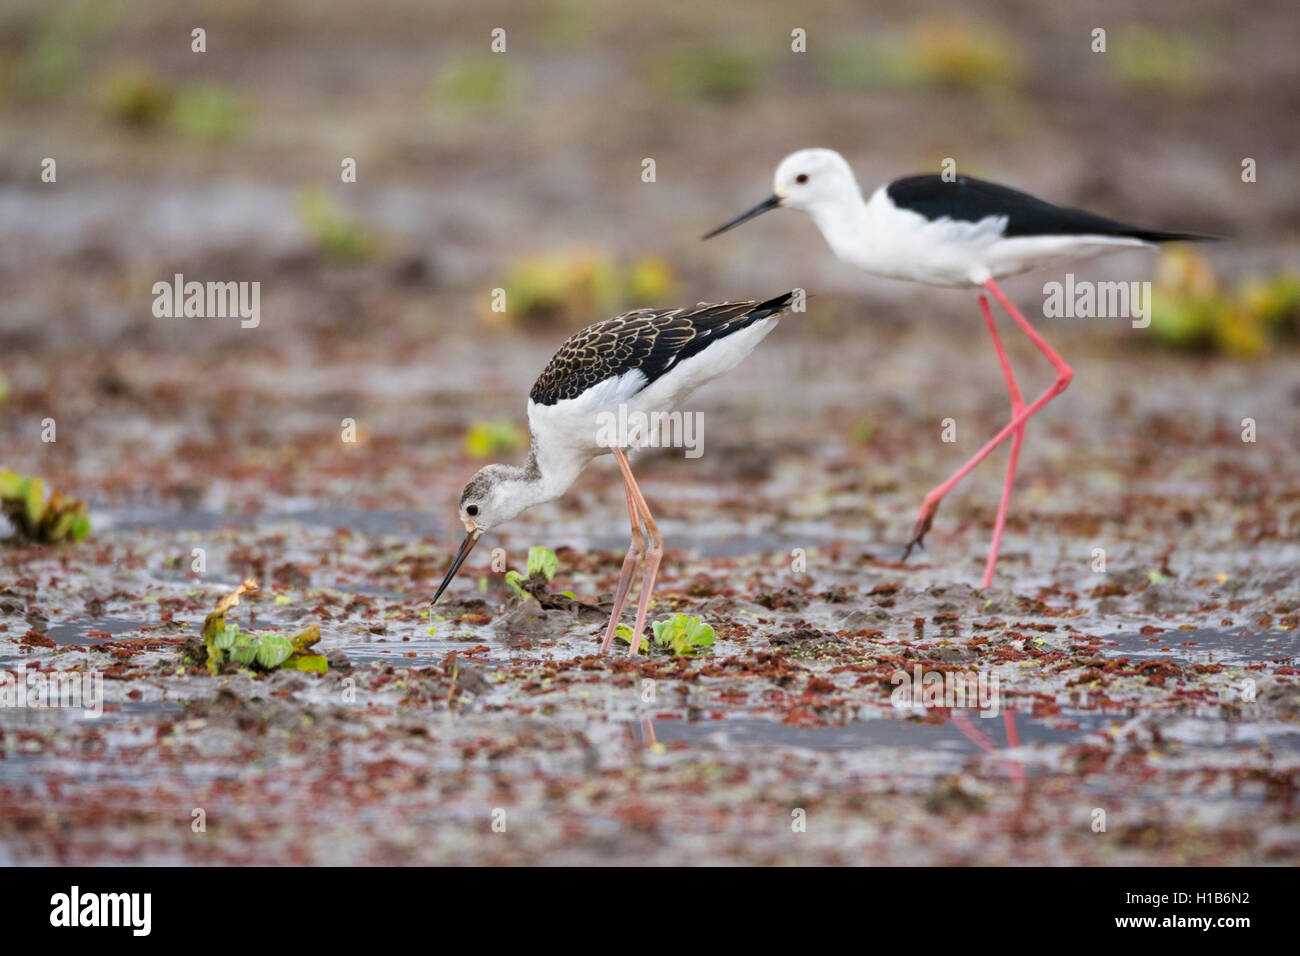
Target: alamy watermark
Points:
(208, 300)
(946, 689)
(626, 429)
(75, 908)
(44, 690)
(1098, 300)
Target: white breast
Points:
(901, 244)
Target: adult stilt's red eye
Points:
(801, 178)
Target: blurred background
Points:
(523, 171)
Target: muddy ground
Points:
(1161, 690)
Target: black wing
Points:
(966, 199)
(652, 340)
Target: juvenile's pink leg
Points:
(653, 556)
(1017, 406)
(634, 551)
(1063, 376)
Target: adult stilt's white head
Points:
(814, 180)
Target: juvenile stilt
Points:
(641, 363)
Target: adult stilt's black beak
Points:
(466, 547)
(771, 202)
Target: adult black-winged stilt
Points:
(632, 368)
(958, 233)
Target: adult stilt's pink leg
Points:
(1063, 376)
(1009, 721)
(652, 558)
(981, 739)
(1013, 741)
(974, 734)
(634, 551)
(1017, 406)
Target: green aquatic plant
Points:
(1192, 311)
(225, 642)
(52, 61)
(933, 53)
(541, 562)
(868, 63)
(336, 232)
(475, 84)
(208, 113)
(682, 634)
(572, 286)
(136, 96)
(706, 73)
(954, 54)
(1157, 60)
(54, 42)
(37, 520)
(485, 439)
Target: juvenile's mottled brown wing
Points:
(651, 340)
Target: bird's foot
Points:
(919, 533)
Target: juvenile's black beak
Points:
(771, 202)
(466, 547)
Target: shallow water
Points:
(78, 631)
(1236, 645)
(721, 539)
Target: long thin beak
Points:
(771, 202)
(466, 547)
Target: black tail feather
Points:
(1170, 235)
(772, 306)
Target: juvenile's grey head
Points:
(496, 494)
(810, 179)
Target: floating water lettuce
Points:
(682, 634)
(36, 520)
(265, 652)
